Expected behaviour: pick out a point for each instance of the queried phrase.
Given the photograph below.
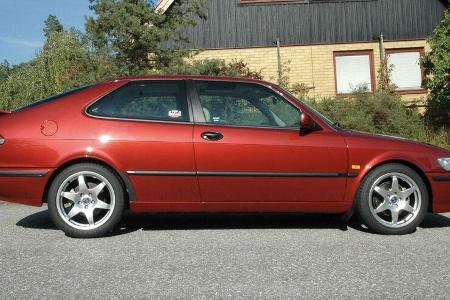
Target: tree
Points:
(5, 69)
(437, 68)
(52, 25)
(65, 62)
(138, 36)
(214, 67)
(385, 84)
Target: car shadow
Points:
(39, 220)
(226, 221)
(430, 221)
(230, 221)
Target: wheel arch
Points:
(123, 178)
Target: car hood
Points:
(390, 142)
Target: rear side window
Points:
(55, 97)
(145, 100)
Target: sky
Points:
(22, 21)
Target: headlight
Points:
(445, 163)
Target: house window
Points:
(354, 71)
(406, 73)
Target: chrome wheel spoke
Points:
(89, 213)
(394, 214)
(382, 207)
(409, 208)
(70, 196)
(73, 212)
(408, 192)
(82, 184)
(395, 185)
(381, 191)
(102, 205)
(97, 190)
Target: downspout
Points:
(312, 71)
(279, 61)
(382, 49)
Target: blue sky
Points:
(21, 23)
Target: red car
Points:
(208, 144)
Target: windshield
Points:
(322, 117)
(54, 97)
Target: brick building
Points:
(332, 46)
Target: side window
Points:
(245, 104)
(145, 100)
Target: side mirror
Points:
(306, 123)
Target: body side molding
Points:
(24, 173)
(239, 174)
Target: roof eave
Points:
(164, 5)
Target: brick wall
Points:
(312, 65)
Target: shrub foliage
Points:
(381, 113)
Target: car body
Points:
(185, 163)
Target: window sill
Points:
(412, 92)
(345, 95)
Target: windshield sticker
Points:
(175, 114)
(216, 119)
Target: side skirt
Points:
(306, 207)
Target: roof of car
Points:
(191, 77)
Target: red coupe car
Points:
(208, 144)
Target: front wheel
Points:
(86, 200)
(392, 199)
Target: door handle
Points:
(212, 136)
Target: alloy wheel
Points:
(85, 200)
(395, 200)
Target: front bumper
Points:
(440, 186)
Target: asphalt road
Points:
(206, 256)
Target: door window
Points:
(245, 104)
(145, 100)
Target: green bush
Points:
(437, 67)
(380, 113)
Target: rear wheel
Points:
(86, 200)
(392, 199)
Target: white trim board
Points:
(164, 5)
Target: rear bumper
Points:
(440, 185)
(23, 186)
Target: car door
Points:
(248, 150)
(147, 131)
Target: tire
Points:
(86, 200)
(392, 206)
